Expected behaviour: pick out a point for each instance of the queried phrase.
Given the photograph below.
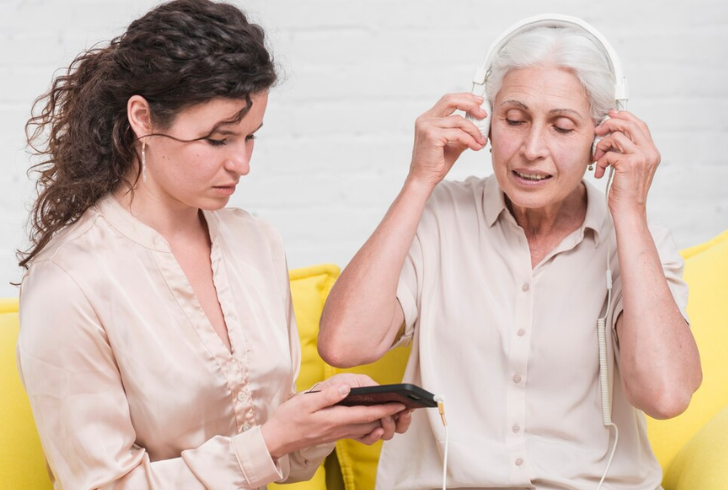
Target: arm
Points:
(362, 315)
(659, 358)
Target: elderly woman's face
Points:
(541, 133)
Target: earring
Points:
(144, 161)
(591, 167)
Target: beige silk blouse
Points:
(130, 386)
(513, 349)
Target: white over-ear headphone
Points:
(549, 20)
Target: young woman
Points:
(158, 344)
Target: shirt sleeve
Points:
(408, 291)
(78, 400)
(672, 266)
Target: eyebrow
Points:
(523, 106)
(226, 132)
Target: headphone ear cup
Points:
(597, 139)
(483, 125)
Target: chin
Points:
(212, 204)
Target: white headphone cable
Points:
(602, 339)
(441, 409)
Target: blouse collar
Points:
(494, 204)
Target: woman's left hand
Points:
(628, 147)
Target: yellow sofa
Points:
(691, 448)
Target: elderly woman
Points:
(498, 283)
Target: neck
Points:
(170, 218)
(540, 222)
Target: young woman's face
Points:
(541, 133)
(203, 174)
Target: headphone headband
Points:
(621, 94)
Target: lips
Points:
(531, 176)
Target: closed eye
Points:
(215, 142)
(563, 130)
(512, 122)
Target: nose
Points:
(534, 143)
(238, 162)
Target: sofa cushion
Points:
(703, 462)
(706, 272)
(21, 458)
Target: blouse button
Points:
(242, 396)
(521, 332)
(517, 378)
(245, 427)
(519, 462)
(525, 287)
(516, 428)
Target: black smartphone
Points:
(411, 396)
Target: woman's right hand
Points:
(441, 137)
(309, 419)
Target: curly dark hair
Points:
(182, 53)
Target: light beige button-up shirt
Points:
(513, 349)
(130, 386)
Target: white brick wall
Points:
(338, 132)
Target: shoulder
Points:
(452, 197)
(68, 237)
(455, 192)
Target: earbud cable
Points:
(602, 339)
(441, 409)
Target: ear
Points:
(140, 115)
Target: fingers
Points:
(388, 426)
(403, 421)
(463, 101)
(628, 124)
(328, 396)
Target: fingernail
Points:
(344, 390)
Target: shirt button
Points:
(525, 287)
(516, 428)
(245, 427)
(517, 378)
(519, 462)
(242, 396)
(521, 332)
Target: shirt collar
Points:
(494, 204)
(129, 226)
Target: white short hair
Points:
(564, 47)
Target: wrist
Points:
(418, 185)
(276, 446)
